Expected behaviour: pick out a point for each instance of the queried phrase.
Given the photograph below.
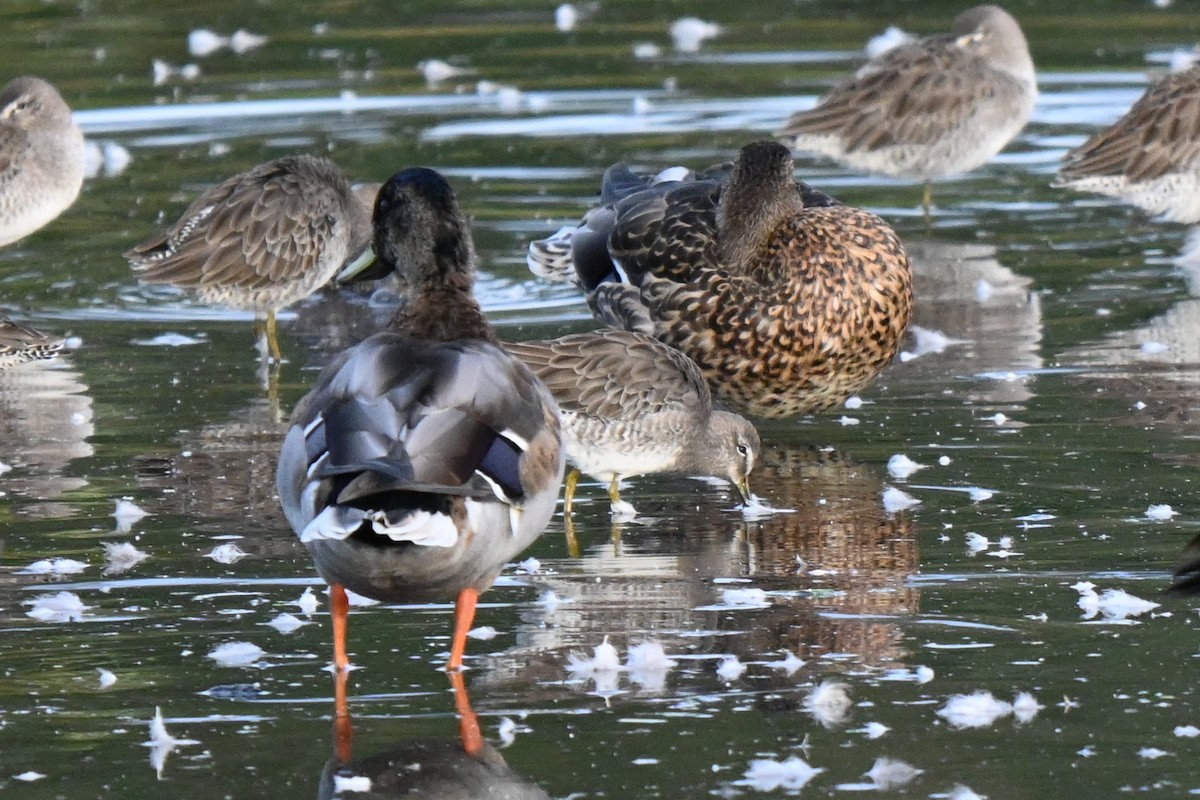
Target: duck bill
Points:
(364, 268)
(743, 490)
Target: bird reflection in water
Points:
(45, 423)
(836, 568)
(466, 767)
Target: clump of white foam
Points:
(566, 17)
(54, 566)
(162, 743)
(890, 773)
(437, 71)
(605, 658)
(127, 513)
(789, 664)
(307, 602)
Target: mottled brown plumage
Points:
(263, 239)
(1151, 156)
(19, 343)
(937, 106)
(632, 405)
(786, 300)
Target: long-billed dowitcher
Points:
(937, 106)
(265, 238)
(786, 300)
(41, 157)
(1151, 156)
(425, 457)
(632, 405)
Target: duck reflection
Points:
(835, 566)
(46, 420)
(224, 474)
(449, 769)
(991, 318)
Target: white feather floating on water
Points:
(347, 784)
(56, 607)
(566, 18)
(790, 663)
(127, 513)
(29, 776)
(105, 678)
(243, 41)
(829, 703)
(900, 466)
(730, 669)
(605, 658)
(162, 743)
(688, 33)
(54, 566)
(121, 557)
(768, 775)
(874, 730)
(1112, 604)
(286, 623)
(236, 654)
(895, 500)
(483, 633)
(227, 553)
(203, 42)
(890, 773)
(1160, 511)
(436, 71)
(307, 602)
(648, 656)
(1187, 731)
(977, 710)
(1026, 707)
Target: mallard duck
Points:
(632, 405)
(937, 106)
(426, 457)
(265, 238)
(41, 157)
(1151, 156)
(787, 300)
(19, 343)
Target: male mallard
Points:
(426, 457)
(787, 301)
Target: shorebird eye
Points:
(742, 449)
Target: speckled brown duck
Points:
(426, 457)
(937, 106)
(265, 238)
(632, 405)
(1150, 157)
(787, 300)
(20, 343)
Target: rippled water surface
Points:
(1064, 408)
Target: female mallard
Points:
(41, 157)
(936, 106)
(631, 405)
(426, 457)
(787, 301)
(19, 343)
(1151, 156)
(265, 238)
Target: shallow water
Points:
(1063, 412)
